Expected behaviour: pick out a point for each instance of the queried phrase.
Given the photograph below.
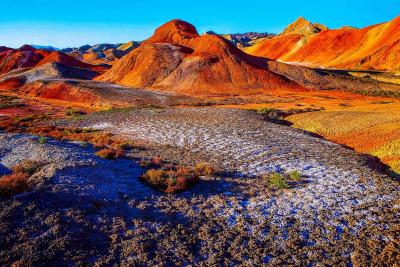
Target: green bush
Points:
(278, 180)
(42, 140)
(295, 175)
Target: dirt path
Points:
(331, 217)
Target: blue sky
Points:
(63, 23)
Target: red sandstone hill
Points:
(28, 57)
(375, 47)
(176, 58)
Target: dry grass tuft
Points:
(110, 153)
(278, 180)
(295, 176)
(204, 169)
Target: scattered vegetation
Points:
(173, 178)
(270, 112)
(204, 169)
(155, 162)
(10, 102)
(42, 140)
(278, 180)
(277, 115)
(171, 181)
(205, 103)
(37, 124)
(283, 181)
(295, 175)
(17, 182)
(14, 183)
(110, 153)
(128, 109)
(377, 92)
(73, 112)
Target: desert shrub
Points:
(204, 169)
(27, 166)
(10, 102)
(156, 178)
(125, 145)
(278, 180)
(156, 161)
(17, 181)
(14, 183)
(42, 140)
(270, 113)
(28, 118)
(295, 175)
(266, 111)
(144, 164)
(73, 112)
(110, 153)
(172, 180)
(89, 130)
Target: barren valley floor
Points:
(90, 211)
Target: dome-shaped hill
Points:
(176, 58)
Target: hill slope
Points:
(101, 54)
(176, 58)
(28, 57)
(375, 47)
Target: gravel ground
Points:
(344, 212)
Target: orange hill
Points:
(176, 58)
(375, 47)
(27, 56)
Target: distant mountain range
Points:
(247, 39)
(176, 58)
(44, 47)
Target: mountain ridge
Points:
(374, 47)
(178, 59)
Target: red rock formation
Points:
(375, 47)
(27, 56)
(176, 58)
(275, 48)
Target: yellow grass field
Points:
(373, 129)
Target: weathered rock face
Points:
(176, 58)
(375, 47)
